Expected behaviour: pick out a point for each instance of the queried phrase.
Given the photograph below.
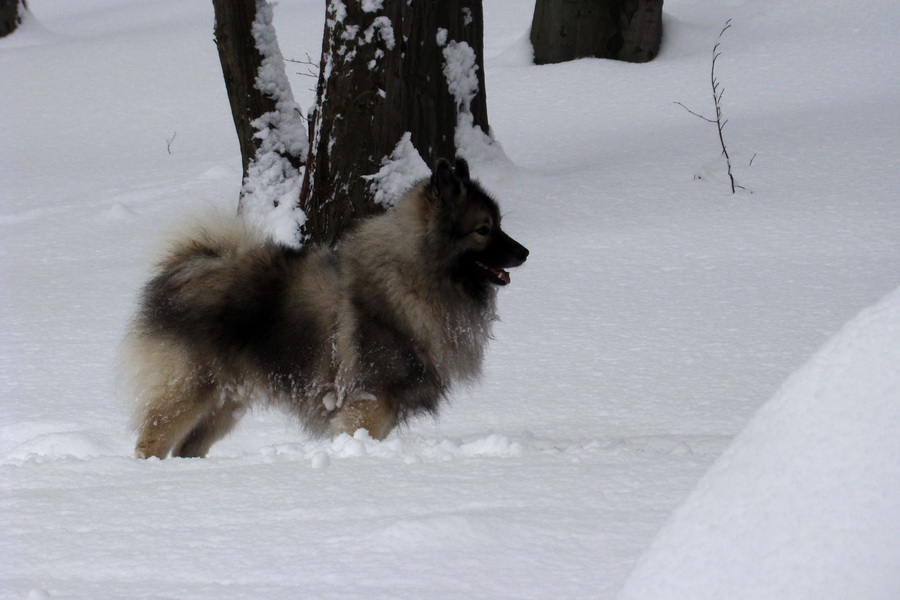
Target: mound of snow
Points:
(806, 501)
(47, 447)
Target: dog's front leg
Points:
(364, 410)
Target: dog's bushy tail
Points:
(207, 248)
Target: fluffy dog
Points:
(362, 336)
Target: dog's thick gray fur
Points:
(362, 336)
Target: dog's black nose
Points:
(521, 253)
(508, 252)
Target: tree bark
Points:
(628, 30)
(383, 74)
(11, 13)
(241, 60)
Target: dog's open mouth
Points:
(499, 276)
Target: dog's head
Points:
(467, 227)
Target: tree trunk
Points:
(389, 67)
(11, 13)
(628, 30)
(270, 128)
(240, 65)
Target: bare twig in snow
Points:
(718, 91)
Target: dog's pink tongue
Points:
(500, 274)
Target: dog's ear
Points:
(445, 184)
(462, 169)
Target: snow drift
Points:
(806, 501)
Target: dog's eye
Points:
(483, 230)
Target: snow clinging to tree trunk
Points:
(399, 172)
(272, 187)
(461, 72)
(372, 5)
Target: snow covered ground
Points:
(656, 314)
(804, 503)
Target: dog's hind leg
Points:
(211, 427)
(170, 416)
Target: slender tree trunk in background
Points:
(628, 30)
(269, 124)
(240, 64)
(11, 13)
(384, 73)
